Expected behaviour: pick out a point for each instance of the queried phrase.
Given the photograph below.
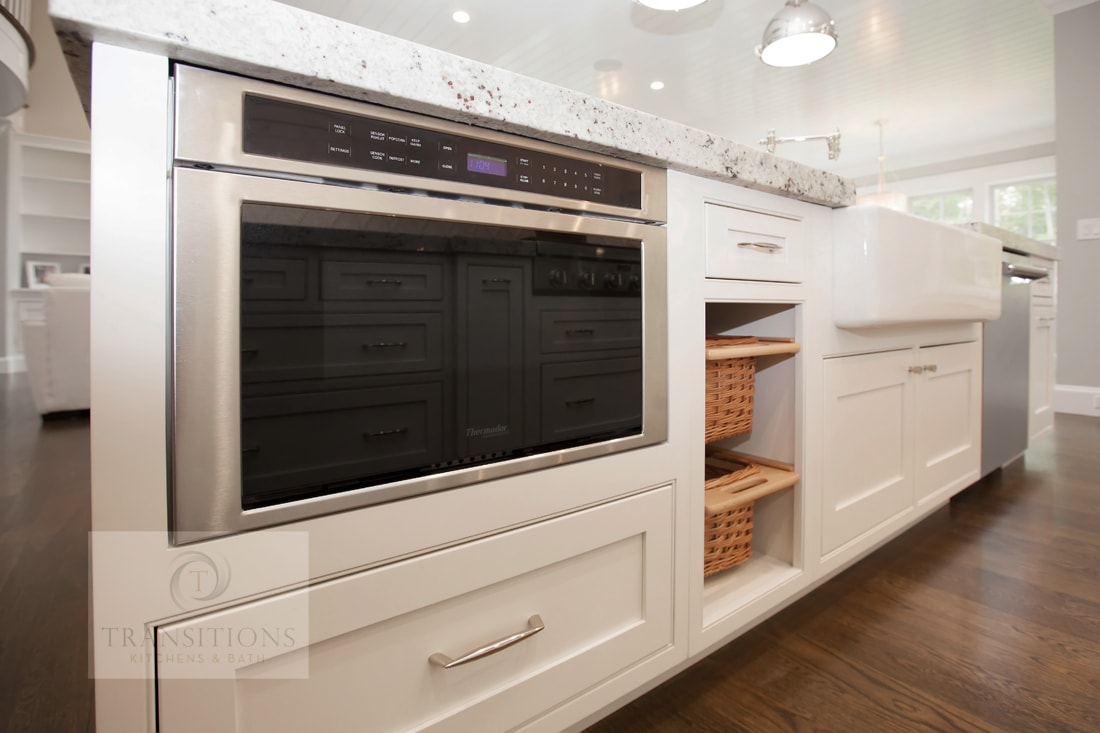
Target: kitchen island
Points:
(295, 47)
(593, 569)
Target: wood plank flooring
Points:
(45, 515)
(985, 617)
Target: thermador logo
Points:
(479, 432)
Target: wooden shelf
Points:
(765, 347)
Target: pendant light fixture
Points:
(799, 34)
(895, 200)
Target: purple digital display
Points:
(476, 163)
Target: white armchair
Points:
(57, 347)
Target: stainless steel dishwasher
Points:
(1005, 365)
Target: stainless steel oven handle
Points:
(534, 626)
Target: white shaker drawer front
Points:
(598, 581)
(747, 245)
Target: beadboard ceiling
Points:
(952, 78)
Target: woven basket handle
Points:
(740, 493)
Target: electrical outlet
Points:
(1088, 229)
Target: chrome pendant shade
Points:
(799, 34)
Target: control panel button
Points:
(339, 150)
(339, 128)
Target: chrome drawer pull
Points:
(580, 402)
(930, 368)
(496, 281)
(534, 626)
(580, 332)
(916, 369)
(769, 247)
(387, 345)
(382, 433)
(383, 281)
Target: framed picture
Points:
(86, 268)
(38, 271)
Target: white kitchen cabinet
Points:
(598, 580)
(1041, 351)
(948, 420)
(1041, 369)
(902, 430)
(754, 245)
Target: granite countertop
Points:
(292, 46)
(1017, 242)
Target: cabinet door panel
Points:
(868, 403)
(600, 579)
(1041, 371)
(948, 433)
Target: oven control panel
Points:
(291, 131)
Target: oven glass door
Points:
(337, 347)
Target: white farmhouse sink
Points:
(891, 268)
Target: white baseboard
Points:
(1077, 400)
(12, 364)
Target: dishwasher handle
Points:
(1026, 272)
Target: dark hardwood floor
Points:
(984, 617)
(44, 521)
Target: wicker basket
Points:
(733, 483)
(729, 391)
(727, 534)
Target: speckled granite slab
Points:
(289, 45)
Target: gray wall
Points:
(1077, 112)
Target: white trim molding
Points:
(1077, 400)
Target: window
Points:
(1027, 208)
(955, 207)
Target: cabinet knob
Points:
(930, 368)
(916, 369)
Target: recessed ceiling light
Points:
(460, 16)
(670, 4)
(656, 85)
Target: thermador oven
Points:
(370, 305)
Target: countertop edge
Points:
(314, 52)
(1016, 241)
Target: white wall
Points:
(1077, 111)
(53, 107)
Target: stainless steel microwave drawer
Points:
(579, 331)
(329, 437)
(311, 346)
(585, 397)
(270, 278)
(381, 281)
